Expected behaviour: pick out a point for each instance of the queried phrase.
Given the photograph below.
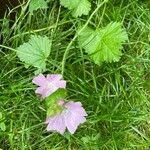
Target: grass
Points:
(115, 95)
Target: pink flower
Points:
(49, 84)
(71, 117)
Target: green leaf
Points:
(51, 102)
(59, 94)
(70, 4)
(83, 8)
(2, 126)
(103, 45)
(54, 109)
(78, 7)
(35, 52)
(37, 4)
(1, 116)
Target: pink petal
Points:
(74, 115)
(79, 111)
(76, 107)
(71, 117)
(77, 117)
(53, 77)
(56, 123)
(70, 123)
(61, 84)
(83, 119)
(61, 102)
(73, 104)
(48, 85)
(39, 90)
(39, 80)
(42, 91)
(50, 91)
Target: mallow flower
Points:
(70, 117)
(49, 84)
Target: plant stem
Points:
(76, 35)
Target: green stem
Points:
(6, 47)
(71, 42)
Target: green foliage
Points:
(2, 124)
(1, 115)
(51, 101)
(37, 4)
(116, 96)
(59, 94)
(35, 52)
(78, 7)
(103, 44)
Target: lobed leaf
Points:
(35, 52)
(103, 45)
(37, 4)
(78, 7)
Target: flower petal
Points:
(74, 115)
(39, 80)
(40, 90)
(53, 77)
(44, 92)
(73, 104)
(56, 123)
(48, 85)
(61, 84)
(76, 107)
(70, 123)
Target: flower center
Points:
(65, 111)
(50, 85)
